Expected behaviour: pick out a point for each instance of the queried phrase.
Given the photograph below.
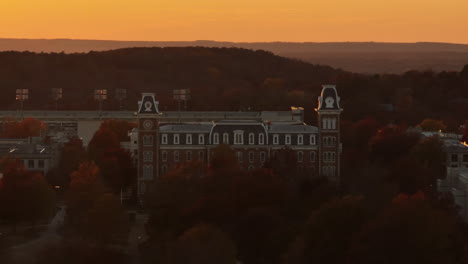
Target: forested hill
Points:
(362, 57)
(226, 79)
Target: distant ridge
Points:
(362, 57)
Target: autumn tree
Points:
(28, 127)
(432, 125)
(410, 231)
(24, 196)
(328, 233)
(204, 244)
(93, 212)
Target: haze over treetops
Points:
(240, 21)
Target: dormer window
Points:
(300, 139)
(188, 139)
(288, 140)
(201, 139)
(312, 140)
(176, 139)
(238, 137)
(261, 139)
(276, 139)
(164, 139)
(251, 139)
(226, 138)
(215, 138)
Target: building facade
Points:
(159, 147)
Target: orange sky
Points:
(238, 20)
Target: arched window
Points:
(148, 171)
(215, 138)
(312, 139)
(312, 156)
(261, 139)
(300, 156)
(226, 138)
(251, 139)
(300, 139)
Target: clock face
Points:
(329, 102)
(148, 124)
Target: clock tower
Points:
(148, 143)
(329, 113)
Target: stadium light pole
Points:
(120, 95)
(182, 95)
(21, 96)
(57, 94)
(100, 95)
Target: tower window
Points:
(148, 171)
(147, 140)
(147, 156)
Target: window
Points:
(30, 163)
(201, 156)
(41, 164)
(251, 167)
(176, 139)
(332, 156)
(312, 156)
(226, 138)
(176, 156)
(147, 156)
(275, 139)
(288, 139)
(261, 139)
(147, 140)
(312, 139)
(164, 139)
(251, 139)
(215, 138)
(201, 139)
(300, 156)
(148, 171)
(189, 155)
(163, 169)
(239, 156)
(262, 156)
(188, 139)
(300, 139)
(325, 156)
(238, 137)
(251, 156)
(333, 123)
(465, 157)
(164, 156)
(454, 158)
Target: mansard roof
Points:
(185, 128)
(303, 128)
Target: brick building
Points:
(160, 147)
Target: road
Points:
(26, 253)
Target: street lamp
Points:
(57, 94)
(182, 95)
(21, 96)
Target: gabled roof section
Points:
(148, 105)
(329, 99)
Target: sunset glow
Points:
(241, 20)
